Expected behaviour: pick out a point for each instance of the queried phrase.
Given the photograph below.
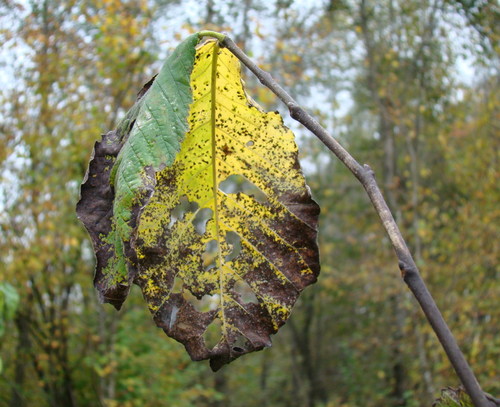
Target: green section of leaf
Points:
(121, 172)
(153, 142)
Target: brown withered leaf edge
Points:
(95, 207)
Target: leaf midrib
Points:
(213, 107)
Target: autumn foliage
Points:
(410, 87)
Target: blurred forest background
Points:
(410, 87)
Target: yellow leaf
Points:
(231, 226)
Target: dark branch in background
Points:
(407, 265)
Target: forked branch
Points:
(409, 269)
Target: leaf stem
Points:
(219, 36)
(409, 269)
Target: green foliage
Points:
(9, 302)
(122, 171)
(453, 398)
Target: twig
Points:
(407, 265)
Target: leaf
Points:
(228, 240)
(198, 198)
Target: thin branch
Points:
(409, 270)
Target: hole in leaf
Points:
(177, 286)
(179, 212)
(249, 143)
(234, 240)
(173, 316)
(240, 344)
(213, 334)
(209, 256)
(205, 303)
(238, 183)
(201, 219)
(231, 184)
(245, 291)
